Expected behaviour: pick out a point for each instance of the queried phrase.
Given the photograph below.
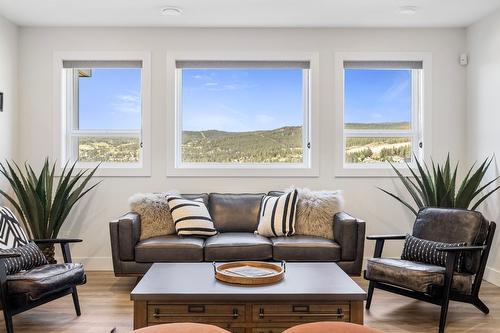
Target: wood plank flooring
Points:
(105, 304)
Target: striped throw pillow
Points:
(277, 215)
(191, 217)
(421, 250)
(30, 257)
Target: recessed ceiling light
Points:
(408, 10)
(171, 11)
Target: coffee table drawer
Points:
(269, 330)
(300, 312)
(163, 313)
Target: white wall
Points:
(383, 215)
(483, 74)
(8, 85)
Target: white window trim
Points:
(311, 169)
(61, 122)
(421, 118)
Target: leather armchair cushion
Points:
(45, 279)
(305, 248)
(414, 275)
(237, 246)
(453, 226)
(235, 212)
(169, 248)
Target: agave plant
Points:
(42, 204)
(438, 187)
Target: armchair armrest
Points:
(380, 241)
(64, 242)
(461, 248)
(386, 237)
(57, 241)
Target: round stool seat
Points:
(182, 328)
(331, 327)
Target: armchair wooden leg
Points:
(8, 322)
(371, 288)
(481, 306)
(76, 302)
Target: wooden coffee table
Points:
(189, 292)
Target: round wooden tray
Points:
(225, 272)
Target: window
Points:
(104, 116)
(381, 113)
(242, 114)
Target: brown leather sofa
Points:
(235, 216)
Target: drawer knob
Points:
(235, 313)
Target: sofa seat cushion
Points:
(305, 248)
(414, 275)
(45, 279)
(169, 248)
(237, 246)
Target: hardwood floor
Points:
(105, 304)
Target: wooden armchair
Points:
(30, 288)
(430, 282)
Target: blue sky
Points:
(377, 96)
(242, 99)
(111, 99)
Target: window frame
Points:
(420, 117)
(66, 113)
(175, 168)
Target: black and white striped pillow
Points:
(191, 217)
(30, 257)
(277, 215)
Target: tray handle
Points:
(283, 265)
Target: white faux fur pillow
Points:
(156, 219)
(315, 212)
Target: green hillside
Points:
(385, 126)
(281, 145)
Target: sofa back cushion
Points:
(453, 226)
(193, 196)
(235, 212)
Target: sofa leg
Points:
(76, 302)
(371, 288)
(8, 322)
(481, 306)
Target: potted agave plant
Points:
(44, 201)
(438, 187)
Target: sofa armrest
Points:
(347, 229)
(127, 234)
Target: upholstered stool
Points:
(182, 328)
(330, 327)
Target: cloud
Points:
(395, 90)
(127, 103)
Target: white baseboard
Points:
(492, 276)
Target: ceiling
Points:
(247, 13)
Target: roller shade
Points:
(241, 64)
(383, 64)
(102, 63)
